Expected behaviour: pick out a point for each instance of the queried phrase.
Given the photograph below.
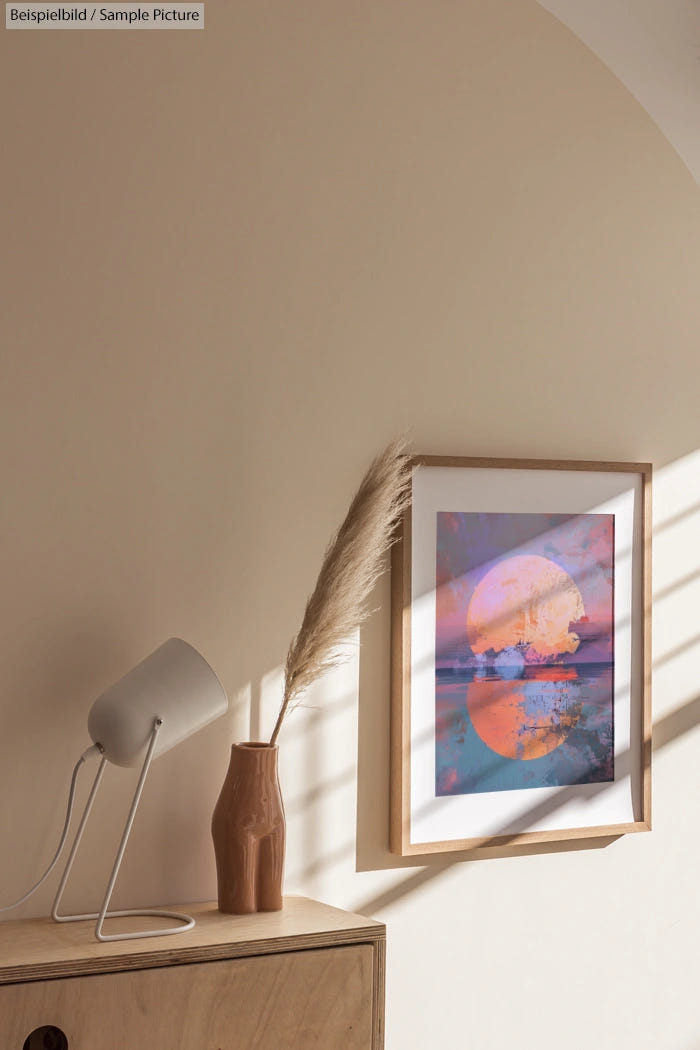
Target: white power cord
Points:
(94, 750)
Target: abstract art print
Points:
(520, 654)
(524, 651)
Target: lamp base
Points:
(187, 923)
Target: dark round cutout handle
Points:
(48, 1037)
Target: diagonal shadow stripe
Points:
(665, 731)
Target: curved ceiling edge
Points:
(653, 48)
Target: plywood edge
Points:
(378, 995)
(533, 464)
(646, 645)
(37, 949)
(400, 798)
(417, 849)
(400, 686)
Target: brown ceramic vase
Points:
(248, 829)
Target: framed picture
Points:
(520, 654)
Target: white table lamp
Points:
(163, 700)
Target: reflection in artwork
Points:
(523, 651)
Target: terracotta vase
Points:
(248, 828)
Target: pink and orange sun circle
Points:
(523, 600)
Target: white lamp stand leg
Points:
(186, 921)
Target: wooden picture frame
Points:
(521, 712)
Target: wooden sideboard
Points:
(309, 977)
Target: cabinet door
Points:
(319, 999)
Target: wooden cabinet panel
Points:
(318, 1000)
(308, 978)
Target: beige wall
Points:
(234, 264)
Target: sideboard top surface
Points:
(33, 949)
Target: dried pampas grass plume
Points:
(351, 566)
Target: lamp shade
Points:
(176, 684)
